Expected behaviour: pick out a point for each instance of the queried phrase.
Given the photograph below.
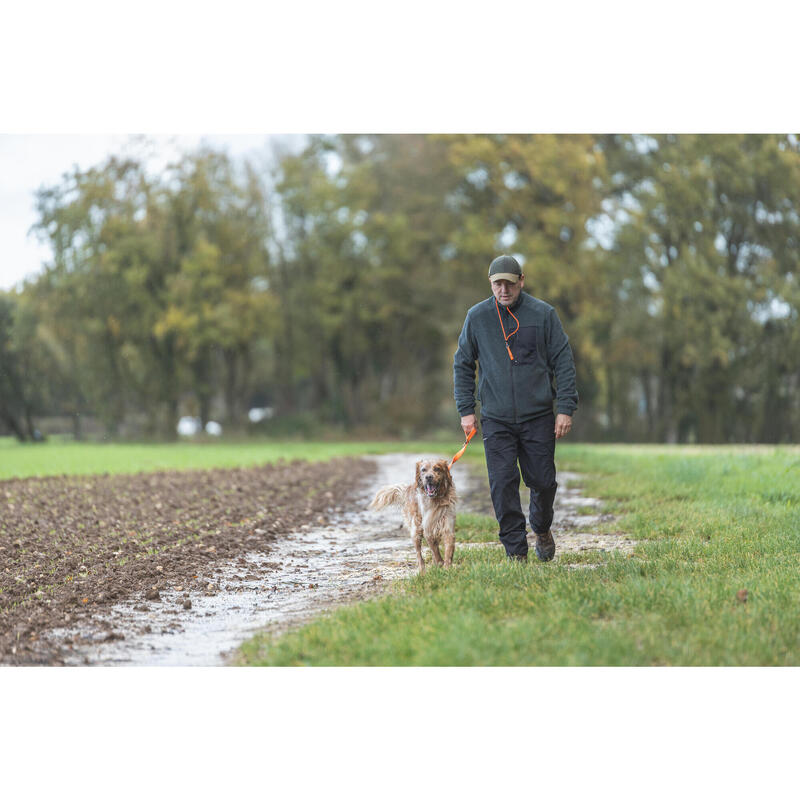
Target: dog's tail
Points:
(387, 496)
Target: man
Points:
(520, 347)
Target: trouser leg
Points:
(500, 446)
(537, 446)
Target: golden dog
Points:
(429, 509)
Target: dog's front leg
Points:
(449, 547)
(434, 546)
(418, 548)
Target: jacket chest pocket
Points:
(527, 344)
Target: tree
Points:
(154, 283)
(708, 222)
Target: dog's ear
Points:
(448, 478)
(419, 483)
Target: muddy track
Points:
(575, 519)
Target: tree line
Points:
(332, 285)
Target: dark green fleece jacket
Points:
(518, 390)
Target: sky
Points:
(30, 161)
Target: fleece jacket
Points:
(541, 372)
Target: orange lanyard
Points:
(461, 451)
(506, 338)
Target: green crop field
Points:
(713, 579)
(84, 458)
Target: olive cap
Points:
(505, 268)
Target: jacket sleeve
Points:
(560, 361)
(464, 371)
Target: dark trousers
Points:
(532, 445)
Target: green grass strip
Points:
(56, 457)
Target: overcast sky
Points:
(28, 162)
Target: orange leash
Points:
(461, 451)
(504, 330)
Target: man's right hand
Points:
(468, 423)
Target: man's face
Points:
(507, 293)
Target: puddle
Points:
(303, 573)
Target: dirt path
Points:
(574, 519)
(180, 568)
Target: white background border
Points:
(235, 67)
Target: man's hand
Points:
(468, 423)
(563, 425)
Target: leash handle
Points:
(461, 451)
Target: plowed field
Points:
(70, 546)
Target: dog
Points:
(429, 510)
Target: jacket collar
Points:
(513, 307)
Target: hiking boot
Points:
(545, 546)
(518, 557)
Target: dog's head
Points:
(433, 478)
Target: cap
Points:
(505, 268)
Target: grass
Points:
(709, 522)
(82, 458)
(476, 528)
